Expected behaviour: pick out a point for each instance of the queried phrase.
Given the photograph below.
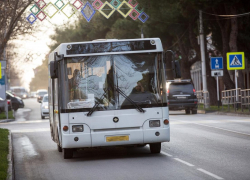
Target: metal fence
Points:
(245, 99)
(203, 98)
(236, 98)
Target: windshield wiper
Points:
(97, 104)
(130, 100)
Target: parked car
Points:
(2, 105)
(16, 102)
(182, 96)
(40, 94)
(45, 107)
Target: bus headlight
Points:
(154, 123)
(77, 128)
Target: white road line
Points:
(27, 122)
(220, 128)
(209, 173)
(184, 162)
(30, 130)
(166, 154)
(28, 146)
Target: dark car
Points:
(16, 102)
(2, 105)
(40, 94)
(182, 96)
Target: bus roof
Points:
(108, 46)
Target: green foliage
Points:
(40, 81)
(4, 150)
(3, 116)
(175, 22)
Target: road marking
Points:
(184, 162)
(209, 121)
(28, 146)
(209, 173)
(26, 122)
(30, 130)
(219, 128)
(166, 154)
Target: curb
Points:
(201, 111)
(10, 159)
(222, 113)
(6, 120)
(233, 114)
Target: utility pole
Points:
(203, 62)
(5, 58)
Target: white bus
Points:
(108, 93)
(19, 91)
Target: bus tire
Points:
(59, 148)
(67, 153)
(155, 148)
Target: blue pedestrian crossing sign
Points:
(216, 63)
(235, 60)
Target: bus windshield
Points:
(112, 81)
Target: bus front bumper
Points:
(96, 138)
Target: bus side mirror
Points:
(54, 65)
(53, 69)
(176, 68)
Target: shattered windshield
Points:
(111, 80)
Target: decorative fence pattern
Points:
(47, 9)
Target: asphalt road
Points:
(203, 146)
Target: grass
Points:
(3, 116)
(4, 150)
(224, 109)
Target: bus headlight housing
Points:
(154, 123)
(77, 128)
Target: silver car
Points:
(44, 107)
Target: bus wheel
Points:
(59, 148)
(67, 153)
(155, 148)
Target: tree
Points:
(175, 22)
(40, 81)
(13, 24)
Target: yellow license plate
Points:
(117, 138)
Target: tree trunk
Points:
(184, 62)
(225, 48)
(233, 43)
(185, 68)
(211, 82)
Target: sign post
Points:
(217, 70)
(236, 61)
(3, 85)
